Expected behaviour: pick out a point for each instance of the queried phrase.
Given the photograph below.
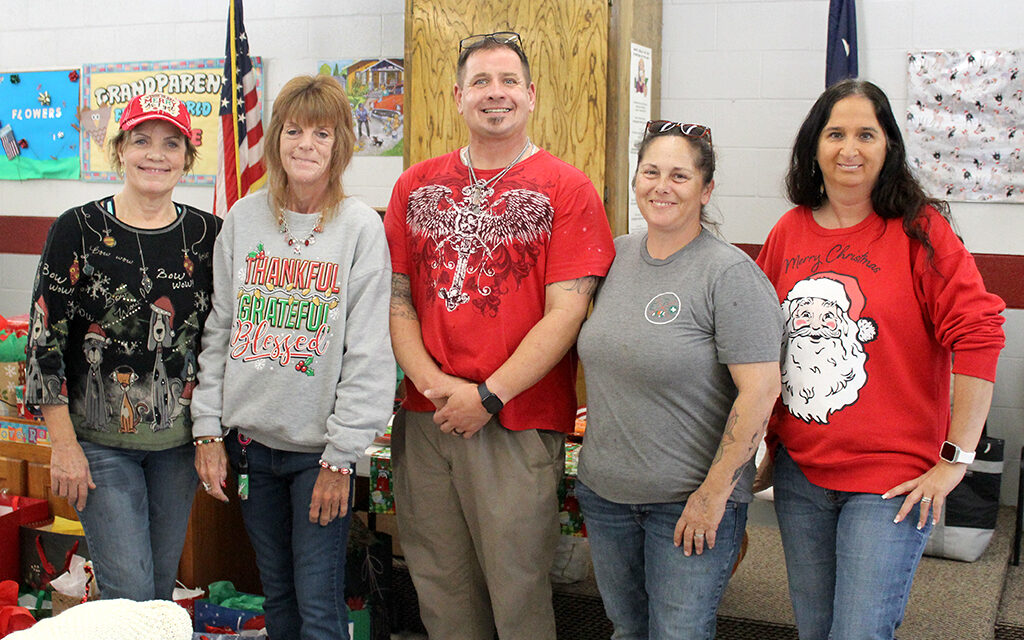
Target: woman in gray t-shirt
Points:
(681, 357)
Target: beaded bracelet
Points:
(198, 441)
(345, 471)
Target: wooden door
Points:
(567, 45)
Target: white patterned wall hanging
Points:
(965, 124)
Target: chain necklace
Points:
(294, 242)
(480, 189)
(190, 266)
(146, 283)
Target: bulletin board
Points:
(38, 125)
(107, 88)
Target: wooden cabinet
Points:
(12, 475)
(15, 460)
(216, 545)
(38, 486)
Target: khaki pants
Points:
(478, 521)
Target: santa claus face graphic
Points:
(823, 370)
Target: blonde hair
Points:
(310, 101)
(117, 143)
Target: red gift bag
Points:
(26, 511)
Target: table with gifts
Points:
(382, 498)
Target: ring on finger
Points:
(926, 499)
(207, 486)
(456, 432)
(698, 535)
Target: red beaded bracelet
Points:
(345, 471)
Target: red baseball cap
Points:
(156, 105)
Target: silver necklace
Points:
(480, 189)
(294, 242)
(147, 284)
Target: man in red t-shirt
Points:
(497, 249)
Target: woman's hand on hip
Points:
(929, 489)
(330, 497)
(698, 525)
(70, 477)
(212, 467)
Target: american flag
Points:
(240, 141)
(10, 144)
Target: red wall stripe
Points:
(1003, 273)
(23, 234)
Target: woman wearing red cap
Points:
(121, 295)
(879, 294)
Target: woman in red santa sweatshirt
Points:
(881, 300)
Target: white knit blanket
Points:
(114, 620)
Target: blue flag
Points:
(841, 51)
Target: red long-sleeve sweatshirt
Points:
(872, 325)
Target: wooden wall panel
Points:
(567, 44)
(636, 21)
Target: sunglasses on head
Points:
(501, 37)
(656, 127)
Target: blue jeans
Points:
(850, 568)
(302, 564)
(649, 588)
(136, 518)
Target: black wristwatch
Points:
(491, 402)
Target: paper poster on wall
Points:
(965, 123)
(38, 126)
(375, 89)
(639, 114)
(107, 88)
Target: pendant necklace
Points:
(480, 189)
(294, 242)
(190, 267)
(146, 284)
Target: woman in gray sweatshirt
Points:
(297, 376)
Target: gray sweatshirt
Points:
(296, 350)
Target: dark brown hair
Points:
(704, 157)
(896, 194)
(487, 44)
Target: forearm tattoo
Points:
(401, 297)
(728, 439)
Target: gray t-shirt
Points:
(655, 352)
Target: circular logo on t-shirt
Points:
(663, 308)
